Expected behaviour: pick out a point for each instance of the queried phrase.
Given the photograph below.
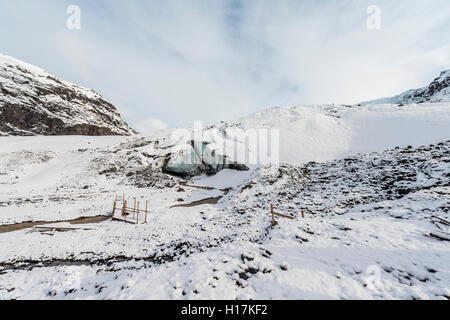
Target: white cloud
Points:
(150, 124)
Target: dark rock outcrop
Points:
(437, 91)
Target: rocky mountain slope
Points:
(35, 102)
(437, 91)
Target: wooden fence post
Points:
(146, 208)
(303, 214)
(137, 217)
(273, 215)
(114, 207)
(125, 210)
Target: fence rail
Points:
(127, 211)
(273, 213)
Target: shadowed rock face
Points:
(437, 91)
(34, 102)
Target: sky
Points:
(170, 63)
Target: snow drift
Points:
(327, 132)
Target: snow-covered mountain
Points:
(437, 91)
(33, 101)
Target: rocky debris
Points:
(437, 91)
(253, 264)
(284, 266)
(179, 156)
(151, 178)
(132, 168)
(440, 235)
(14, 162)
(34, 102)
(334, 188)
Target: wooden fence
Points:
(273, 213)
(128, 214)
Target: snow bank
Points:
(323, 133)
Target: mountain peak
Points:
(446, 73)
(437, 91)
(35, 102)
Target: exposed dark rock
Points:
(437, 91)
(34, 102)
(191, 162)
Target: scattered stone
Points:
(248, 256)
(284, 266)
(253, 270)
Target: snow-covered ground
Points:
(376, 201)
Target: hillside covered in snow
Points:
(437, 91)
(33, 101)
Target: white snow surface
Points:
(375, 199)
(323, 133)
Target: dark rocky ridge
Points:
(34, 102)
(437, 91)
